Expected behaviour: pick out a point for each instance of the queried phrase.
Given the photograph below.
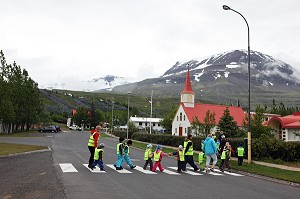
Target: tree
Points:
(257, 128)
(228, 125)
(166, 123)
(209, 121)
(197, 126)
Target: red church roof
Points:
(200, 111)
(187, 86)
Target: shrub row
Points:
(262, 148)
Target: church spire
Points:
(188, 95)
(187, 86)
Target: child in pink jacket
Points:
(157, 156)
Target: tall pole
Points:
(225, 7)
(112, 118)
(151, 112)
(128, 114)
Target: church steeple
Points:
(188, 95)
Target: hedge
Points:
(262, 148)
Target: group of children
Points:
(123, 150)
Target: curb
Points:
(25, 153)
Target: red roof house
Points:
(286, 127)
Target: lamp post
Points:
(225, 7)
(128, 114)
(151, 113)
(112, 118)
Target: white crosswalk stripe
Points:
(169, 172)
(229, 173)
(96, 170)
(144, 171)
(67, 168)
(188, 172)
(119, 171)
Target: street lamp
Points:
(225, 7)
(112, 118)
(128, 113)
(151, 112)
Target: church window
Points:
(180, 116)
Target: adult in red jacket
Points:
(93, 143)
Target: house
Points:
(287, 127)
(144, 123)
(188, 110)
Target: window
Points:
(177, 117)
(140, 123)
(175, 130)
(183, 117)
(180, 116)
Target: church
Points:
(188, 110)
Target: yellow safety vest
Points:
(147, 154)
(92, 140)
(240, 151)
(223, 156)
(96, 154)
(157, 156)
(190, 151)
(201, 157)
(118, 151)
(181, 155)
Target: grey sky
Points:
(59, 40)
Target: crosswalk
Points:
(69, 168)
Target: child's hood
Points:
(157, 151)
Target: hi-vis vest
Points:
(190, 151)
(201, 157)
(126, 149)
(223, 156)
(157, 156)
(96, 154)
(181, 155)
(92, 140)
(118, 148)
(240, 151)
(147, 154)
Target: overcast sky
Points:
(59, 40)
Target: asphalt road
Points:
(71, 147)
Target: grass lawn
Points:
(19, 134)
(9, 148)
(291, 176)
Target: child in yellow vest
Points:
(225, 158)
(158, 154)
(180, 158)
(98, 157)
(148, 155)
(201, 158)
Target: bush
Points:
(166, 139)
(262, 148)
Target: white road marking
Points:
(169, 172)
(233, 174)
(96, 170)
(67, 168)
(213, 173)
(119, 171)
(144, 171)
(188, 172)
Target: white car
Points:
(75, 127)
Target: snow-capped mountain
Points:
(262, 68)
(108, 82)
(223, 78)
(102, 83)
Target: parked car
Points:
(75, 127)
(48, 129)
(57, 128)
